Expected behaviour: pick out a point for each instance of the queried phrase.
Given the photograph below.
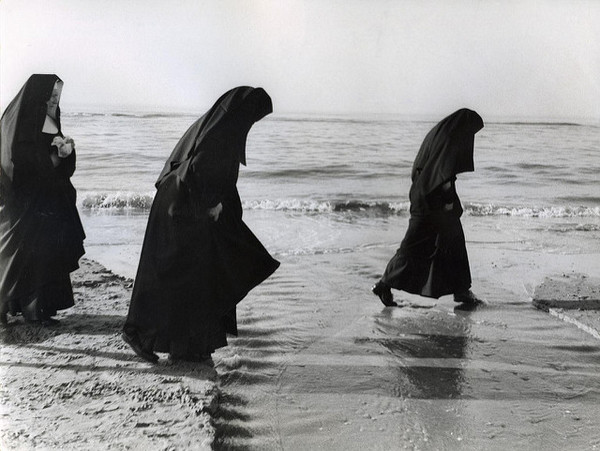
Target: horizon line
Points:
(432, 116)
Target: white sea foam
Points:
(289, 205)
(123, 200)
(532, 212)
(117, 201)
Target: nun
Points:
(432, 259)
(41, 235)
(199, 259)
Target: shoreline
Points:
(79, 386)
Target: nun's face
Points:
(52, 102)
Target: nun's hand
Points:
(215, 212)
(65, 150)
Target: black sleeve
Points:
(208, 180)
(442, 196)
(31, 166)
(448, 193)
(66, 168)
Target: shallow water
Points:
(114, 238)
(320, 364)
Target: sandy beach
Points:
(318, 364)
(79, 386)
(325, 185)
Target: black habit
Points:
(432, 259)
(193, 270)
(41, 236)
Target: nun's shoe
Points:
(384, 293)
(136, 345)
(173, 358)
(44, 322)
(3, 319)
(467, 297)
(49, 322)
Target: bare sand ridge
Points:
(79, 386)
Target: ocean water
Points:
(339, 184)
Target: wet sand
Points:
(319, 364)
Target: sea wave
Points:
(117, 201)
(300, 205)
(542, 123)
(143, 201)
(475, 209)
(338, 120)
(149, 115)
(126, 115)
(565, 228)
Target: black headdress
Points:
(230, 118)
(447, 150)
(22, 121)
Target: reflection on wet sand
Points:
(317, 366)
(427, 382)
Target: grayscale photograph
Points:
(300, 225)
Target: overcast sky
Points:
(503, 58)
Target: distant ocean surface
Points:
(318, 184)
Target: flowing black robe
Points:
(193, 270)
(41, 236)
(432, 259)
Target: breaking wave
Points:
(326, 206)
(143, 201)
(532, 212)
(117, 201)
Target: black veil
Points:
(233, 114)
(21, 123)
(446, 151)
